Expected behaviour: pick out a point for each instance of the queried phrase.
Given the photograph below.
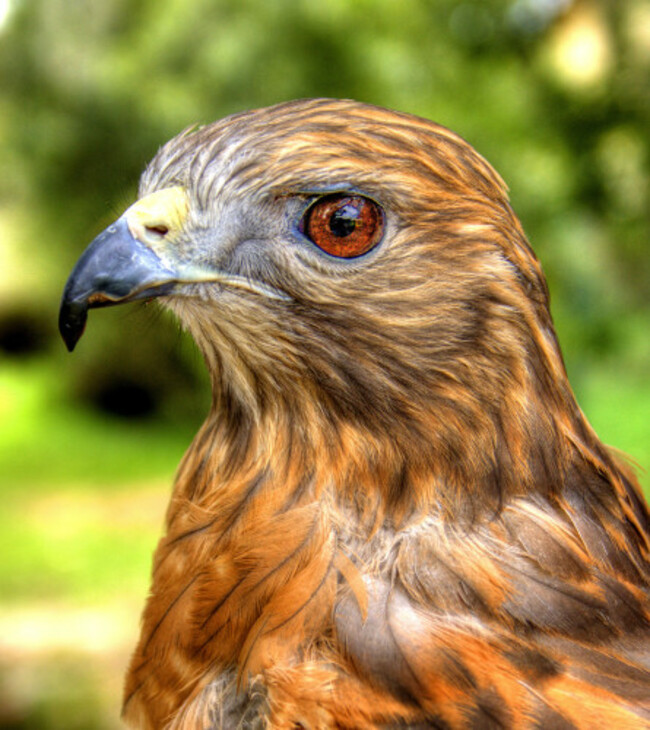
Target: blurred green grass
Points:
(78, 489)
(48, 439)
(83, 505)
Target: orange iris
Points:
(344, 225)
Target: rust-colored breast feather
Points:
(395, 515)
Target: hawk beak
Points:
(118, 267)
(115, 268)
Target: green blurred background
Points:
(556, 94)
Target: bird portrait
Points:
(395, 514)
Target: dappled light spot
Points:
(139, 508)
(37, 629)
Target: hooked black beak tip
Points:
(72, 322)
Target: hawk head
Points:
(359, 276)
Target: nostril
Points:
(159, 230)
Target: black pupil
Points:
(344, 221)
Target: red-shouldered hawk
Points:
(395, 514)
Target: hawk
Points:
(395, 514)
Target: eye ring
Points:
(344, 225)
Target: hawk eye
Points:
(344, 226)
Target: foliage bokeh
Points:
(554, 93)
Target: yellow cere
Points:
(158, 215)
